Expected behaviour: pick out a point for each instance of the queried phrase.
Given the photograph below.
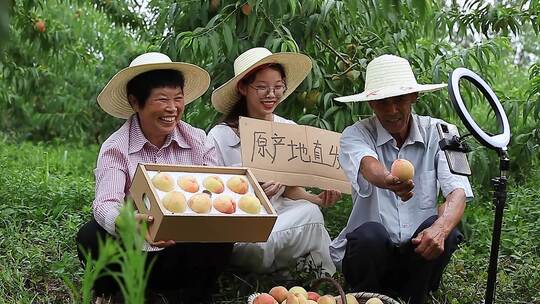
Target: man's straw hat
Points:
(113, 98)
(389, 76)
(296, 66)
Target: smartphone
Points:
(457, 160)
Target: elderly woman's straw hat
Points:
(297, 67)
(389, 76)
(113, 98)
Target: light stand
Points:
(499, 143)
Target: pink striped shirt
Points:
(127, 147)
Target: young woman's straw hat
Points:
(389, 76)
(113, 98)
(297, 67)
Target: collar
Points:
(383, 136)
(137, 140)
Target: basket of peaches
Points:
(299, 295)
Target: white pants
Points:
(298, 232)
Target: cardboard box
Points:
(194, 227)
(293, 155)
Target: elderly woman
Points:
(151, 94)
(262, 80)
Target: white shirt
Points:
(228, 143)
(401, 219)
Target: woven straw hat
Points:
(297, 67)
(113, 98)
(389, 76)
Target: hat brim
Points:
(113, 98)
(387, 92)
(297, 66)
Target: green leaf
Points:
(227, 38)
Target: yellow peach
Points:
(238, 184)
(200, 203)
(279, 293)
(402, 169)
(213, 184)
(326, 299)
(374, 301)
(163, 181)
(188, 184)
(225, 204)
(293, 299)
(297, 290)
(350, 299)
(264, 298)
(174, 201)
(250, 203)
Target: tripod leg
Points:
(499, 200)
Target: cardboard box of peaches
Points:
(202, 204)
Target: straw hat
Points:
(297, 67)
(113, 97)
(389, 76)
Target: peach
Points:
(279, 293)
(174, 201)
(163, 181)
(326, 299)
(297, 290)
(294, 299)
(225, 204)
(40, 25)
(238, 184)
(374, 301)
(264, 298)
(250, 203)
(188, 184)
(311, 302)
(402, 169)
(311, 295)
(200, 203)
(214, 184)
(350, 299)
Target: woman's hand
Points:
(270, 188)
(328, 198)
(145, 218)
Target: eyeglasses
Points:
(263, 91)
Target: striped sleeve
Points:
(111, 178)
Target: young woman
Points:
(262, 80)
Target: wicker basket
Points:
(361, 297)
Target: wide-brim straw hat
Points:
(389, 76)
(113, 98)
(297, 66)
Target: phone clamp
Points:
(454, 144)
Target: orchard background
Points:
(56, 55)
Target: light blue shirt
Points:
(372, 204)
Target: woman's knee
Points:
(88, 237)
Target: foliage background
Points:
(49, 82)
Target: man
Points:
(397, 241)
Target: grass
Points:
(47, 193)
